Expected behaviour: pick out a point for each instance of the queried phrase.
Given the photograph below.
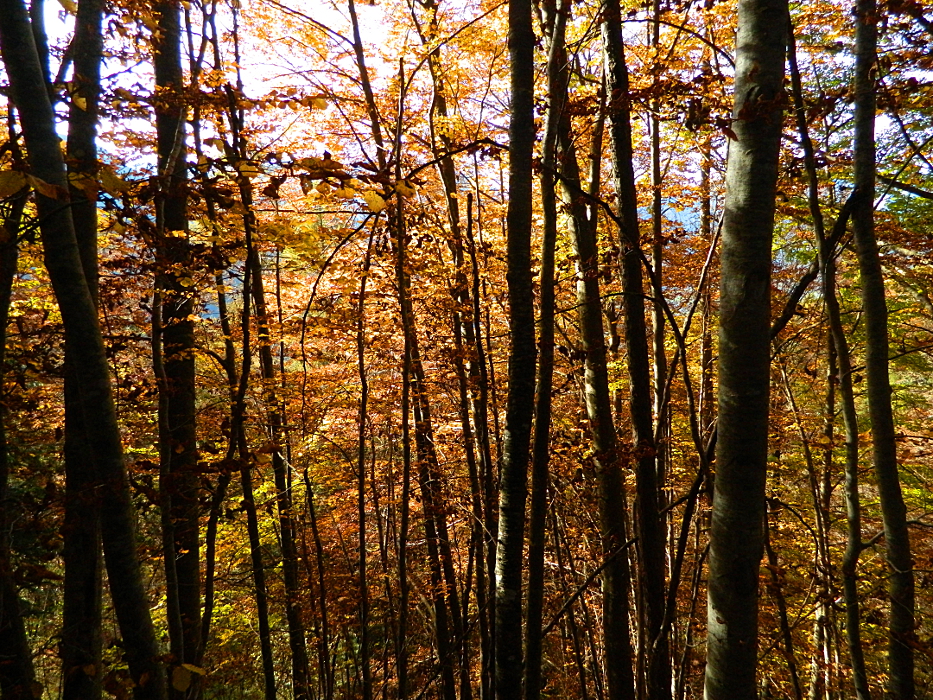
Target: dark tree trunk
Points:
(606, 458)
(555, 26)
(650, 491)
(293, 596)
(648, 522)
(179, 483)
(736, 536)
(83, 337)
(362, 419)
(17, 674)
(440, 560)
(901, 633)
(520, 406)
(81, 603)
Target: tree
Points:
(81, 604)
(884, 448)
(744, 353)
(520, 407)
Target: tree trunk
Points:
(17, 674)
(744, 353)
(901, 633)
(179, 481)
(81, 602)
(82, 335)
(293, 595)
(522, 351)
(555, 25)
(840, 364)
(648, 523)
(362, 419)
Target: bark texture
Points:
(736, 536)
(901, 633)
(522, 352)
(179, 481)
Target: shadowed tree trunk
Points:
(178, 480)
(744, 353)
(83, 337)
(17, 675)
(901, 633)
(554, 25)
(648, 522)
(81, 603)
(520, 406)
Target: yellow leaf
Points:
(404, 189)
(79, 102)
(85, 183)
(69, 6)
(181, 678)
(375, 203)
(323, 187)
(318, 103)
(194, 669)
(44, 188)
(112, 183)
(11, 182)
(247, 169)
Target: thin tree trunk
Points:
(17, 674)
(901, 632)
(246, 484)
(82, 334)
(488, 481)
(522, 351)
(659, 671)
(404, 586)
(362, 418)
(744, 353)
(442, 145)
(648, 524)
(326, 662)
(443, 584)
(293, 595)
(840, 358)
(557, 93)
(777, 590)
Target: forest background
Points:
(371, 351)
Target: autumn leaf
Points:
(45, 189)
(112, 183)
(374, 201)
(181, 678)
(404, 189)
(248, 170)
(11, 182)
